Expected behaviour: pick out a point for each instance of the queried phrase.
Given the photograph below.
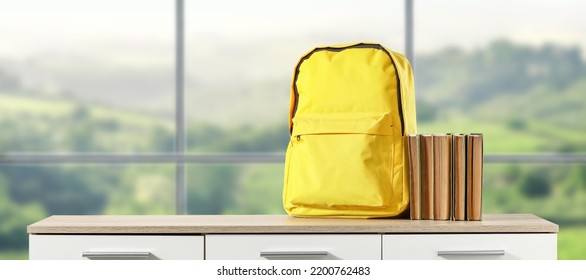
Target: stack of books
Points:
(445, 176)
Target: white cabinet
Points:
(517, 246)
(128, 247)
(274, 237)
(293, 246)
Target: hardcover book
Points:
(441, 177)
(474, 181)
(414, 184)
(426, 161)
(459, 177)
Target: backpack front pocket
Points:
(340, 161)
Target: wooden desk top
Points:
(207, 224)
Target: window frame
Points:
(180, 158)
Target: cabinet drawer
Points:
(470, 246)
(83, 247)
(293, 246)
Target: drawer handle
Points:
(472, 253)
(133, 255)
(292, 254)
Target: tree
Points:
(536, 184)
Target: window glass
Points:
(240, 57)
(86, 76)
(235, 189)
(513, 70)
(29, 193)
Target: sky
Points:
(33, 26)
(473, 23)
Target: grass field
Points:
(572, 243)
(14, 255)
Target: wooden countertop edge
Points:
(276, 224)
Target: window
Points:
(87, 76)
(86, 92)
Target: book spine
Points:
(441, 177)
(475, 213)
(414, 184)
(459, 177)
(426, 180)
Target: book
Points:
(441, 177)
(414, 185)
(474, 180)
(445, 176)
(426, 176)
(459, 177)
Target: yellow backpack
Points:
(351, 105)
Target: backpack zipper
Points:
(339, 49)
